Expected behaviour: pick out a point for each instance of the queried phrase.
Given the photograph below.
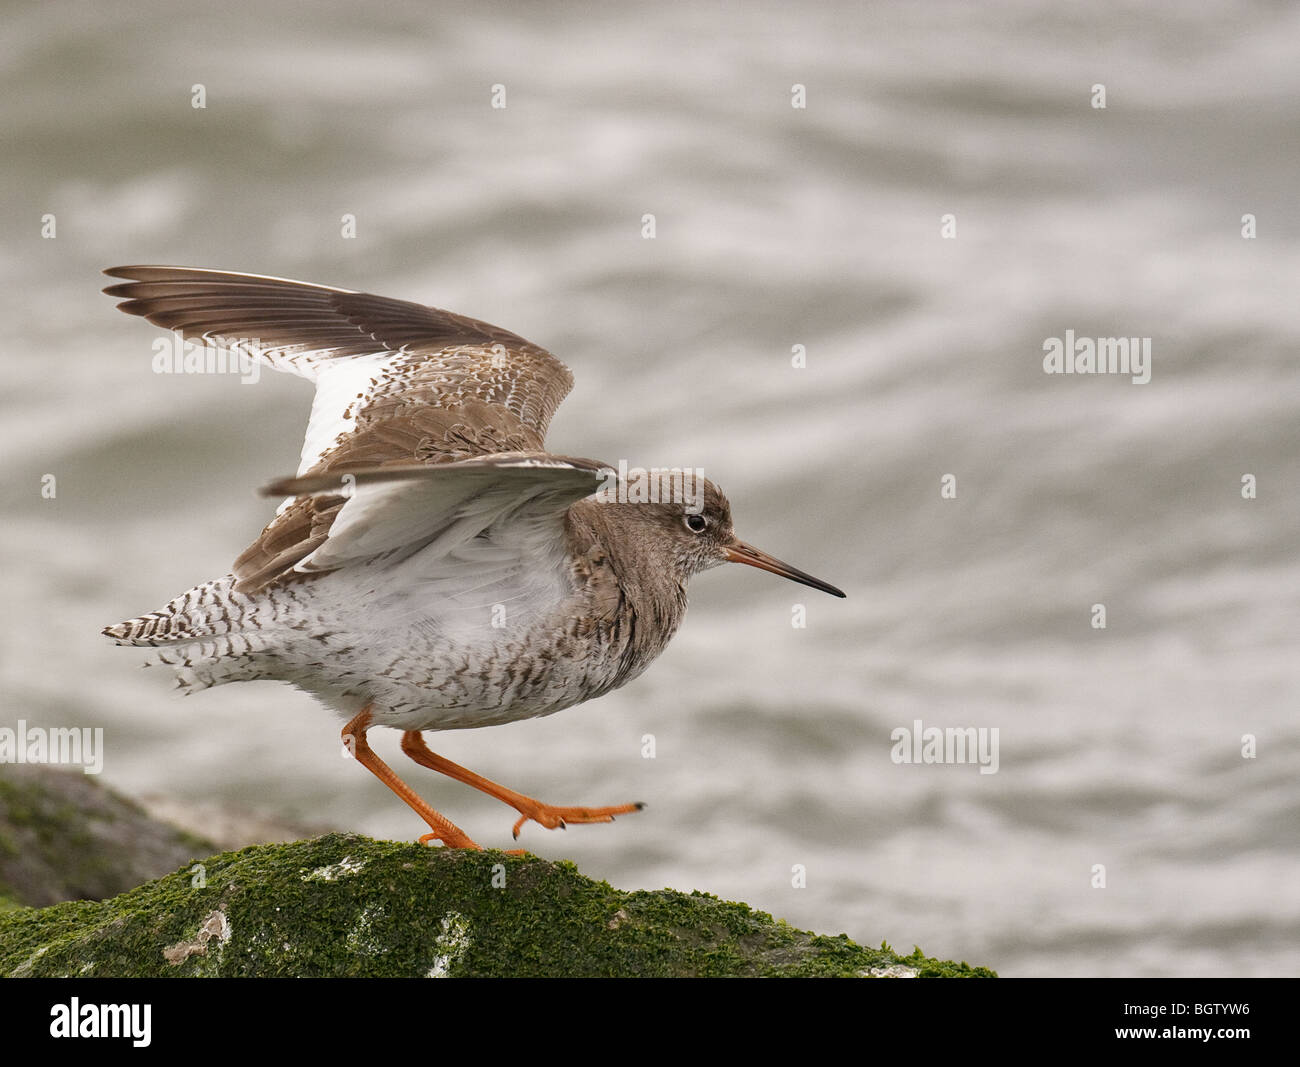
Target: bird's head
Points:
(694, 531)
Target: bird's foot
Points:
(558, 818)
(452, 838)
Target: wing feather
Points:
(510, 506)
(396, 382)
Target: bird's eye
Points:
(696, 523)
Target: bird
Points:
(431, 566)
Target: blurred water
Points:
(776, 227)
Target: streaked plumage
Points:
(431, 566)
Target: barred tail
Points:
(205, 611)
(210, 635)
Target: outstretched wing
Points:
(396, 382)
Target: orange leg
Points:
(444, 830)
(550, 817)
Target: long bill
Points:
(739, 552)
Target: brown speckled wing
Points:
(396, 382)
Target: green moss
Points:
(9, 904)
(348, 905)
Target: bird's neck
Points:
(623, 574)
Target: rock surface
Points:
(64, 836)
(345, 905)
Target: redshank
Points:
(432, 566)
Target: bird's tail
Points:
(208, 635)
(205, 611)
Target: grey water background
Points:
(775, 227)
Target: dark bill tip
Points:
(739, 552)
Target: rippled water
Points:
(776, 227)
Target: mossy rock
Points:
(64, 836)
(345, 905)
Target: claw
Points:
(560, 818)
(447, 842)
